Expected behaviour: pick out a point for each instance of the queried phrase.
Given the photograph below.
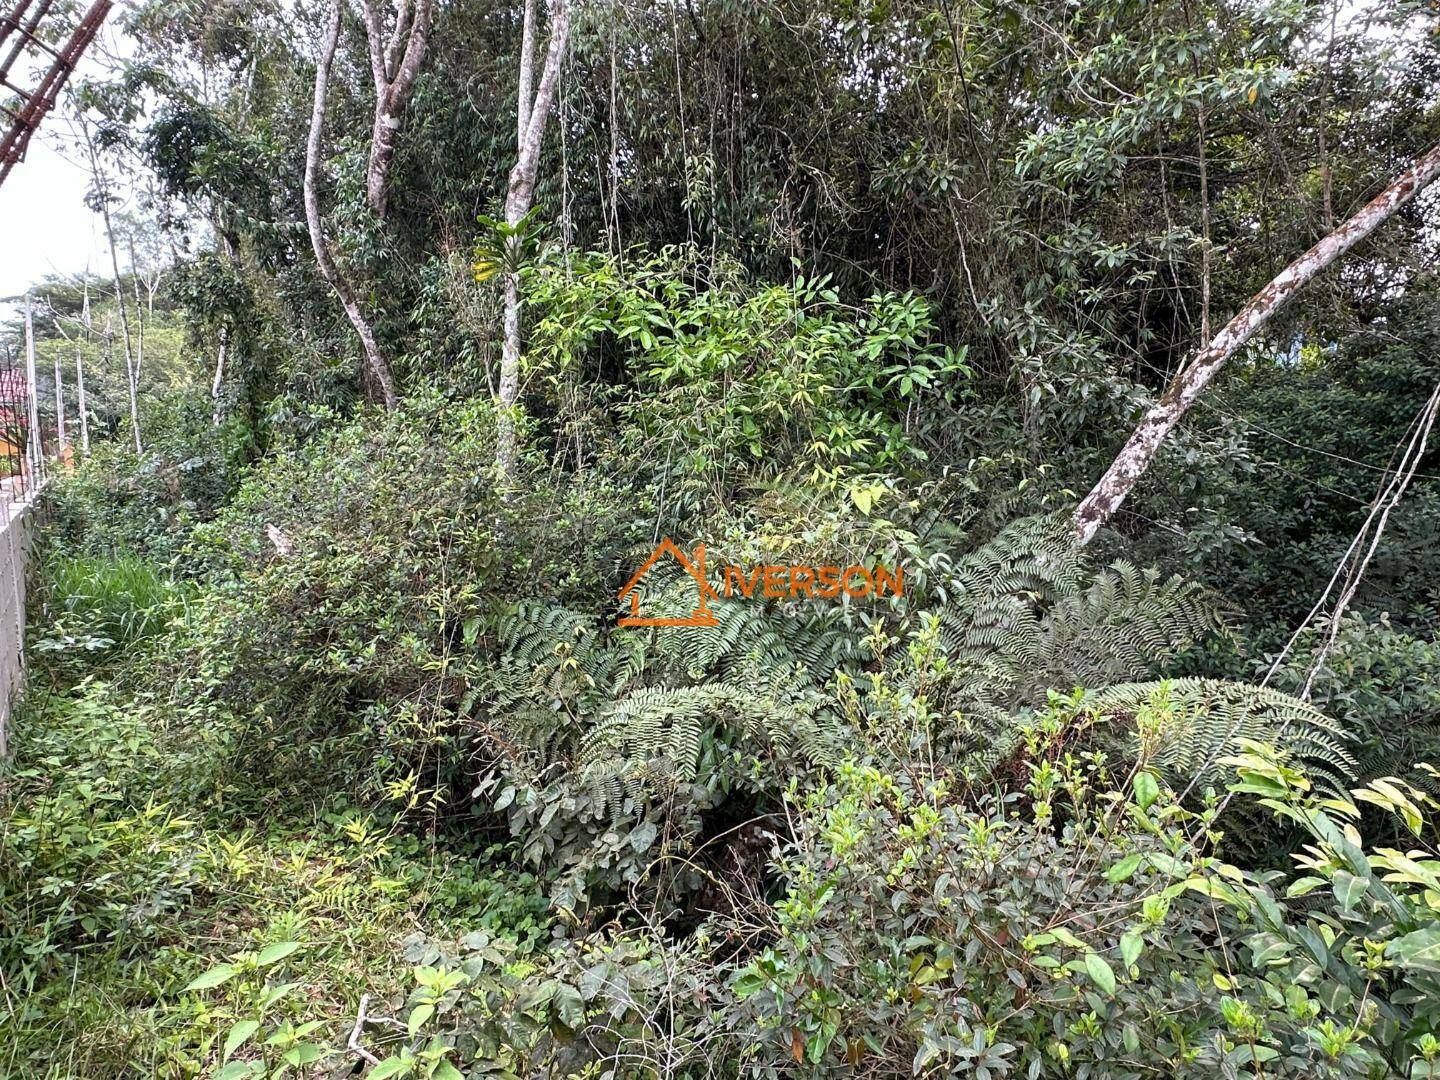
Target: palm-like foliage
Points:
(1025, 613)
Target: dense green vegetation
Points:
(335, 760)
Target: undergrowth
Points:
(123, 876)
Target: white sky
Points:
(45, 226)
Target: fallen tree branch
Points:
(354, 1041)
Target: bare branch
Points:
(374, 37)
(354, 1041)
(392, 92)
(527, 72)
(397, 37)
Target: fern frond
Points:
(1201, 720)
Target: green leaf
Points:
(214, 977)
(1131, 946)
(242, 1030)
(236, 1070)
(1100, 972)
(1065, 937)
(1417, 949)
(273, 954)
(303, 1054)
(391, 1066)
(419, 1017)
(1348, 888)
(1147, 790)
(570, 1007)
(1123, 870)
(274, 994)
(446, 1071)
(1131, 1036)
(1301, 886)
(1268, 948)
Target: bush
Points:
(347, 584)
(1383, 683)
(119, 504)
(1077, 924)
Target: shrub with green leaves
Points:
(346, 585)
(1350, 946)
(1382, 682)
(90, 853)
(1078, 923)
(118, 504)
(729, 375)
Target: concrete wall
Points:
(16, 529)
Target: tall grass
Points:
(122, 598)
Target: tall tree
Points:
(102, 197)
(531, 113)
(394, 63)
(379, 366)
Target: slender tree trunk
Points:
(132, 376)
(80, 401)
(139, 314)
(35, 449)
(531, 114)
(62, 441)
(80, 369)
(525, 97)
(219, 378)
(393, 68)
(379, 367)
(1135, 457)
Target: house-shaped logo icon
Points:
(694, 565)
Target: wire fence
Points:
(28, 453)
(17, 473)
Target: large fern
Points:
(1025, 613)
(600, 733)
(596, 740)
(1201, 719)
(600, 705)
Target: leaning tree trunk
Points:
(377, 363)
(531, 114)
(1132, 461)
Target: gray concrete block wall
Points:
(16, 527)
